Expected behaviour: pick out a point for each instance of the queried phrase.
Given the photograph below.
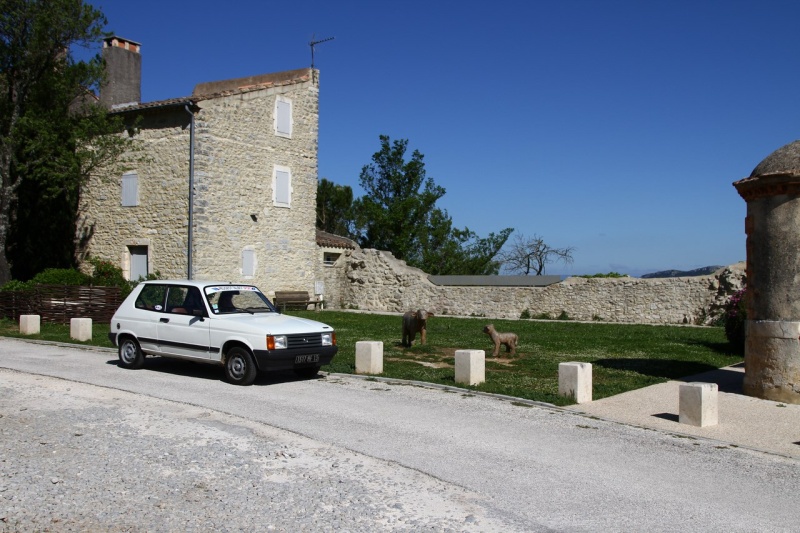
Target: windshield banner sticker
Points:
(218, 288)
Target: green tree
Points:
(399, 201)
(52, 134)
(452, 251)
(398, 213)
(335, 208)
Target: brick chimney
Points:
(124, 72)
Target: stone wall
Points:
(161, 161)
(336, 283)
(237, 150)
(375, 280)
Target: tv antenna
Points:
(314, 43)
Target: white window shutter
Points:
(130, 189)
(283, 187)
(283, 117)
(139, 267)
(248, 263)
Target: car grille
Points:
(310, 340)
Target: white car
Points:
(221, 323)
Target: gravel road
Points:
(86, 445)
(76, 457)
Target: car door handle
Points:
(164, 320)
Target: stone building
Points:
(247, 150)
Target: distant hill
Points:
(704, 271)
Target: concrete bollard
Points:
(369, 357)
(698, 404)
(470, 367)
(30, 324)
(80, 329)
(575, 380)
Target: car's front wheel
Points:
(130, 354)
(240, 367)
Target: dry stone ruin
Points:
(375, 280)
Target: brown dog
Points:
(414, 322)
(509, 340)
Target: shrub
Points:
(563, 316)
(601, 275)
(16, 285)
(734, 320)
(105, 275)
(60, 276)
(108, 275)
(526, 314)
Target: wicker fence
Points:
(60, 303)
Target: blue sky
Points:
(615, 127)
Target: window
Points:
(151, 298)
(248, 263)
(329, 258)
(282, 186)
(184, 300)
(138, 262)
(283, 117)
(130, 189)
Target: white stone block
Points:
(369, 357)
(30, 324)
(575, 381)
(470, 367)
(80, 329)
(698, 404)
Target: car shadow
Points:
(182, 367)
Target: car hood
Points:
(272, 323)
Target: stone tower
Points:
(124, 70)
(772, 345)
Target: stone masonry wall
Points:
(236, 151)
(161, 160)
(377, 281)
(236, 156)
(336, 283)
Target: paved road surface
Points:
(478, 463)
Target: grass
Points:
(624, 357)
(57, 333)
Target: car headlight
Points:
(276, 342)
(329, 339)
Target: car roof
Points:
(193, 282)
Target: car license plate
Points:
(309, 358)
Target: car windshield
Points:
(228, 299)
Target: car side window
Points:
(184, 300)
(151, 298)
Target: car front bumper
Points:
(294, 358)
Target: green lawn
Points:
(624, 357)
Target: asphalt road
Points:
(523, 467)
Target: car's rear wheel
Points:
(240, 367)
(130, 354)
(308, 372)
